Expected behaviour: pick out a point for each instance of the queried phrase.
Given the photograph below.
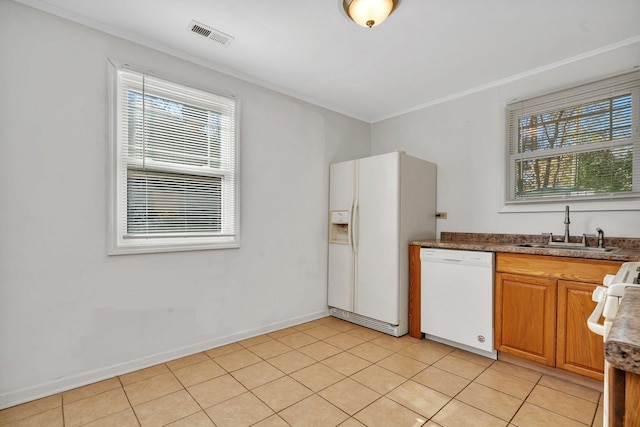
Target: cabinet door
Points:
(579, 350)
(526, 317)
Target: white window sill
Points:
(576, 206)
(145, 246)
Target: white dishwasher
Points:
(457, 299)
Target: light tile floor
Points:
(323, 373)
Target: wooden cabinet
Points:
(520, 300)
(414, 292)
(624, 395)
(631, 399)
(578, 349)
(542, 305)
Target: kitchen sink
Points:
(611, 250)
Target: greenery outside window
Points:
(580, 143)
(173, 166)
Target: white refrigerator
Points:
(377, 205)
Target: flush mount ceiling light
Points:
(368, 13)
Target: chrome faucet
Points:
(600, 237)
(566, 224)
(566, 241)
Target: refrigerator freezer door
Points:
(376, 237)
(341, 277)
(341, 256)
(342, 186)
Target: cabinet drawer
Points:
(572, 269)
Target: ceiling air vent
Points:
(210, 33)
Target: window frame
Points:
(570, 97)
(118, 241)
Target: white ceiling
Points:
(426, 51)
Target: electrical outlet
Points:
(441, 215)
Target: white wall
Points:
(70, 314)
(465, 137)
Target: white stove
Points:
(608, 298)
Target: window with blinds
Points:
(174, 166)
(580, 143)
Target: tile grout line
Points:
(62, 406)
(394, 352)
(122, 387)
(557, 413)
(284, 375)
(458, 393)
(370, 340)
(593, 419)
(187, 391)
(204, 410)
(525, 398)
(404, 382)
(349, 416)
(135, 414)
(98, 394)
(473, 381)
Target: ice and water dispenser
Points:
(339, 227)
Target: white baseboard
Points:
(38, 391)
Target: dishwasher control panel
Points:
(452, 255)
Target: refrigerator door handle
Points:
(356, 212)
(353, 202)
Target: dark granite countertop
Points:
(505, 243)
(622, 346)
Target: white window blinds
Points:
(175, 166)
(581, 143)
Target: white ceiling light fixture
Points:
(369, 13)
